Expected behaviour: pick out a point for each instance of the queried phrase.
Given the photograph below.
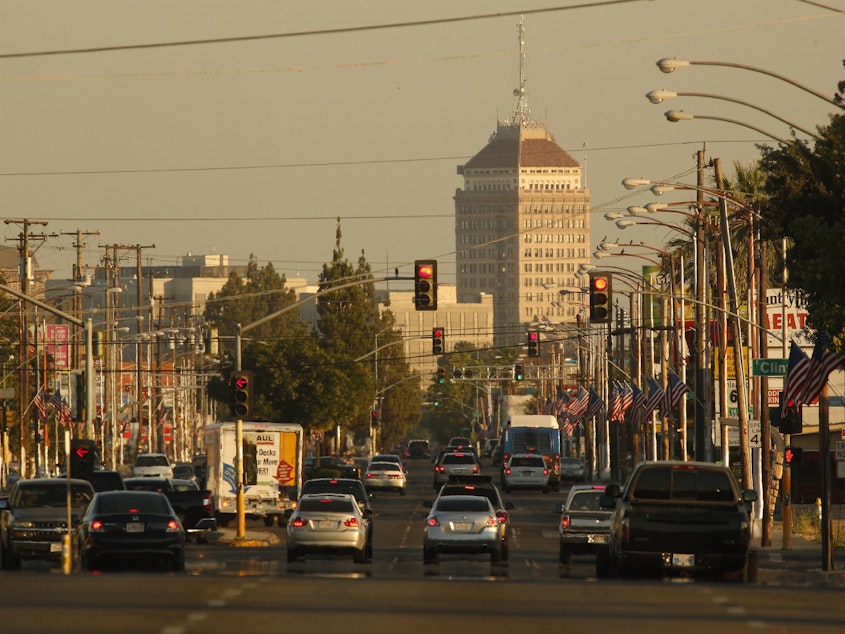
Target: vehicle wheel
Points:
(202, 538)
(178, 563)
(368, 552)
(496, 556)
(282, 521)
(268, 520)
(293, 555)
(565, 555)
(359, 556)
(603, 562)
(223, 521)
(429, 556)
(506, 552)
(402, 492)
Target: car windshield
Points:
(146, 484)
(532, 439)
(130, 502)
(586, 501)
(334, 486)
(151, 461)
(463, 504)
(527, 461)
(384, 466)
(52, 495)
(457, 458)
(386, 459)
(706, 485)
(324, 505)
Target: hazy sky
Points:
(257, 145)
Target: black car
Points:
(419, 449)
(130, 526)
(481, 486)
(355, 488)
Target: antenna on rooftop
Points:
(522, 114)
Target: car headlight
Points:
(21, 524)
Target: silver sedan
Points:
(327, 523)
(462, 524)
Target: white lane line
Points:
(402, 542)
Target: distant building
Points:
(522, 225)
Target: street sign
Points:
(316, 435)
(840, 449)
(769, 367)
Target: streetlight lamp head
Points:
(654, 207)
(631, 183)
(634, 210)
(624, 224)
(612, 215)
(668, 64)
(600, 254)
(606, 246)
(659, 190)
(678, 115)
(657, 96)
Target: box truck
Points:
(272, 480)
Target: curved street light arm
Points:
(679, 115)
(660, 95)
(669, 64)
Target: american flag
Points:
(674, 391)
(40, 404)
(627, 396)
(656, 397)
(595, 403)
(822, 363)
(796, 375)
(638, 399)
(59, 406)
(578, 405)
(615, 411)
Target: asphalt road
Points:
(236, 589)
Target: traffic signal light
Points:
(517, 372)
(533, 344)
(793, 455)
(242, 393)
(98, 338)
(791, 419)
(425, 284)
(600, 298)
(374, 419)
(441, 376)
(437, 337)
(83, 458)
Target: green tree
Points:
(806, 201)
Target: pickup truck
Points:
(194, 507)
(682, 518)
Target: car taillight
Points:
(475, 469)
(502, 516)
(298, 522)
(564, 521)
(96, 526)
(625, 530)
(432, 521)
(492, 520)
(371, 475)
(507, 471)
(206, 503)
(545, 472)
(440, 469)
(352, 522)
(173, 526)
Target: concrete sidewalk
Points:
(799, 566)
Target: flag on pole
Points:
(821, 364)
(796, 375)
(656, 397)
(40, 404)
(626, 396)
(614, 409)
(638, 399)
(595, 403)
(59, 406)
(674, 391)
(578, 405)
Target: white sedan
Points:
(385, 475)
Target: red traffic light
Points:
(599, 283)
(82, 452)
(241, 382)
(533, 336)
(425, 271)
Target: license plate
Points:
(527, 473)
(56, 547)
(326, 524)
(463, 526)
(683, 561)
(597, 539)
(135, 527)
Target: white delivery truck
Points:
(272, 469)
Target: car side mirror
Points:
(367, 513)
(749, 495)
(509, 506)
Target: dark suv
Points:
(355, 488)
(482, 486)
(419, 449)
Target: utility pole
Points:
(702, 422)
(24, 272)
(79, 245)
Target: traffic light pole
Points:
(239, 450)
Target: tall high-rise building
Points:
(522, 224)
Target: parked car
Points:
(137, 526)
(526, 471)
(34, 517)
(462, 524)
(353, 487)
(389, 457)
(385, 475)
(326, 523)
(455, 464)
(678, 518)
(572, 469)
(481, 486)
(152, 465)
(192, 505)
(584, 523)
